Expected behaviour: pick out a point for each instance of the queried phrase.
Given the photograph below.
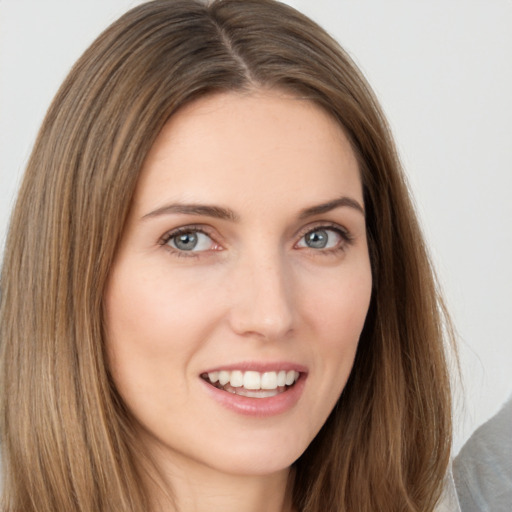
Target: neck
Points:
(183, 486)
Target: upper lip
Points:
(259, 367)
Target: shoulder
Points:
(448, 501)
(483, 468)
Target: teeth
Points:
(290, 378)
(214, 377)
(257, 394)
(251, 380)
(269, 380)
(237, 379)
(224, 377)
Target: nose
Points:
(263, 298)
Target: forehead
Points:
(249, 147)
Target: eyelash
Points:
(184, 230)
(346, 239)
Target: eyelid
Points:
(344, 232)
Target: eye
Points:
(189, 240)
(322, 238)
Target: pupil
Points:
(317, 239)
(186, 242)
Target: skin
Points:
(252, 290)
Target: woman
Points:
(215, 293)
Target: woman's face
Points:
(240, 288)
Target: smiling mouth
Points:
(252, 384)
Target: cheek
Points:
(338, 316)
(153, 331)
(142, 341)
(337, 313)
(158, 313)
(339, 308)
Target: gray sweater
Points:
(483, 468)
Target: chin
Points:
(261, 456)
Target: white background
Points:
(443, 72)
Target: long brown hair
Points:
(67, 441)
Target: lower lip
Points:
(259, 407)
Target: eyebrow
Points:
(331, 205)
(219, 212)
